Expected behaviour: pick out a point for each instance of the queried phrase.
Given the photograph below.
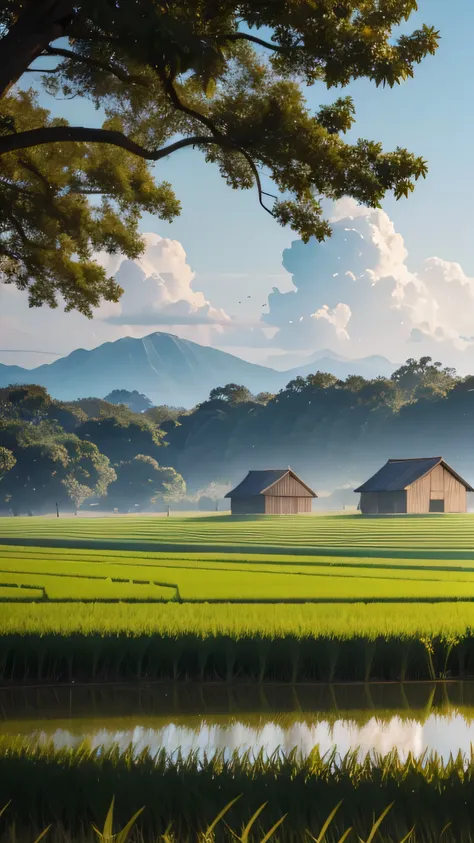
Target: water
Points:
(369, 719)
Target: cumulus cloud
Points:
(158, 295)
(355, 294)
(158, 289)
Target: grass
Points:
(96, 642)
(86, 574)
(351, 535)
(370, 581)
(217, 829)
(74, 789)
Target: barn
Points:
(271, 492)
(415, 486)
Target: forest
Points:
(122, 454)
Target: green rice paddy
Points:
(331, 558)
(332, 534)
(381, 598)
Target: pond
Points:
(370, 719)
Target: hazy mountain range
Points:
(173, 371)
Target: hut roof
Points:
(258, 482)
(398, 475)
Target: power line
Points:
(28, 351)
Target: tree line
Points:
(53, 453)
(133, 456)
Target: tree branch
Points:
(42, 69)
(261, 192)
(8, 254)
(245, 36)
(96, 64)
(221, 139)
(19, 229)
(28, 165)
(83, 134)
(186, 109)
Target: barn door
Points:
(437, 489)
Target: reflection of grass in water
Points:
(223, 733)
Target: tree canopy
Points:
(142, 482)
(135, 401)
(221, 77)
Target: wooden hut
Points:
(414, 486)
(271, 492)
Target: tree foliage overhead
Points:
(222, 77)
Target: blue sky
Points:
(235, 249)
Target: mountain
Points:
(170, 370)
(341, 367)
(167, 369)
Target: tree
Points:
(264, 397)
(7, 461)
(419, 378)
(193, 73)
(381, 392)
(135, 401)
(141, 482)
(354, 383)
(298, 384)
(122, 438)
(98, 408)
(321, 380)
(233, 393)
(28, 402)
(51, 466)
(163, 413)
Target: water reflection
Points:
(373, 719)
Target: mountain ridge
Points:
(169, 370)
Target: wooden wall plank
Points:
(288, 486)
(455, 495)
(418, 496)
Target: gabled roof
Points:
(398, 475)
(258, 482)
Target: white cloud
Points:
(355, 293)
(339, 317)
(158, 289)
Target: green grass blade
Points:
(43, 834)
(253, 818)
(377, 824)
(221, 814)
(322, 833)
(107, 833)
(273, 829)
(122, 836)
(2, 810)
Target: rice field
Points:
(389, 598)
(446, 536)
(79, 574)
(325, 558)
(328, 798)
(252, 643)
